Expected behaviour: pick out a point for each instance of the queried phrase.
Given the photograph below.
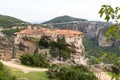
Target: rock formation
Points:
(26, 42)
(6, 48)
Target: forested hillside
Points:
(63, 19)
(8, 22)
(94, 51)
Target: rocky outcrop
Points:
(6, 48)
(102, 40)
(29, 45)
(31, 41)
(26, 46)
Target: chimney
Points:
(29, 27)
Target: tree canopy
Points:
(112, 33)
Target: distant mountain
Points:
(64, 19)
(8, 22)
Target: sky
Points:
(44, 10)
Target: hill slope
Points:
(94, 51)
(8, 22)
(63, 19)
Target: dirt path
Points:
(25, 69)
(105, 76)
(100, 73)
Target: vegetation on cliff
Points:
(93, 51)
(60, 48)
(63, 19)
(5, 74)
(57, 49)
(43, 43)
(8, 22)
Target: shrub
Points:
(52, 72)
(27, 59)
(36, 60)
(53, 52)
(40, 61)
(5, 74)
(65, 54)
(77, 72)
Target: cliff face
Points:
(30, 46)
(92, 29)
(33, 41)
(6, 49)
(26, 46)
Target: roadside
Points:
(25, 69)
(105, 76)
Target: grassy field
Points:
(30, 75)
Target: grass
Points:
(109, 73)
(30, 76)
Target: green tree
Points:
(60, 49)
(61, 45)
(43, 43)
(112, 33)
(110, 13)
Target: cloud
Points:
(42, 10)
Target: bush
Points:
(43, 43)
(40, 61)
(65, 54)
(77, 72)
(27, 59)
(53, 52)
(5, 74)
(36, 60)
(52, 72)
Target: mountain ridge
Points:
(64, 18)
(8, 21)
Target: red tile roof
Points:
(68, 32)
(32, 32)
(48, 32)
